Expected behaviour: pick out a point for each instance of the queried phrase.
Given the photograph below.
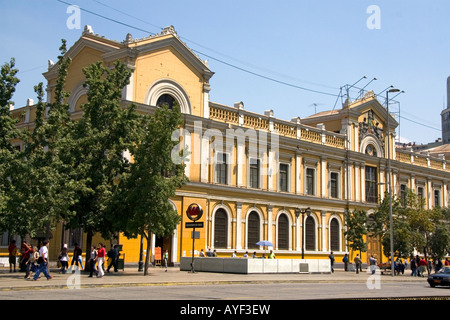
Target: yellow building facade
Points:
(254, 175)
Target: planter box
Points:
(248, 266)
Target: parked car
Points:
(440, 278)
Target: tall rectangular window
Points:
(437, 198)
(403, 195)
(283, 176)
(310, 181)
(254, 173)
(334, 180)
(222, 168)
(420, 195)
(371, 184)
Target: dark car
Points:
(440, 278)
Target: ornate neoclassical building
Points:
(253, 174)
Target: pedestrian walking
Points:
(77, 257)
(92, 260)
(113, 255)
(43, 262)
(345, 260)
(418, 265)
(100, 260)
(26, 251)
(372, 263)
(423, 266)
(271, 255)
(31, 263)
(64, 260)
(413, 268)
(166, 258)
(12, 250)
(358, 263)
(331, 257)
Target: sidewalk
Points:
(157, 276)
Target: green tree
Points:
(43, 192)
(9, 154)
(356, 229)
(142, 205)
(98, 141)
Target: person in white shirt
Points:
(43, 261)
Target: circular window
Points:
(166, 100)
(370, 150)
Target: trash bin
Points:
(121, 262)
(120, 258)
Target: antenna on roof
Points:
(315, 106)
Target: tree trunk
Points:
(147, 256)
(87, 266)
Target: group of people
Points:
(34, 260)
(97, 256)
(210, 253)
(420, 266)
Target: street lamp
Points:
(389, 179)
(299, 211)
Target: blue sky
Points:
(319, 46)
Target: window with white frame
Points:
(437, 198)
(222, 170)
(283, 180)
(254, 173)
(334, 184)
(310, 182)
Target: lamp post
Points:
(299, 211)
(389, 180)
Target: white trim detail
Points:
(168, 86)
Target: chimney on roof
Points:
(30, 102)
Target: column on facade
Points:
(240, 153)
(238, 225)
(429, 194)
(271, 169)
(394, 183)
(323, 177)
(298, 224)
(269, 223)
(363, 182)
(382, 183)
(206, 90)
(298, 161)
(324, 228)
(444, 194)
(358, 190)
(413, 183)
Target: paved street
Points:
(175, 285)
(216, 295)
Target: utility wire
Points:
(208, 56)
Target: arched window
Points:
(334, 235)
(167, 100)
(253, 230)
(283, 232)
(310, 234)
(220, 229)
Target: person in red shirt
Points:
(100, 259)
(423, 266)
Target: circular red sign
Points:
(194, 212)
